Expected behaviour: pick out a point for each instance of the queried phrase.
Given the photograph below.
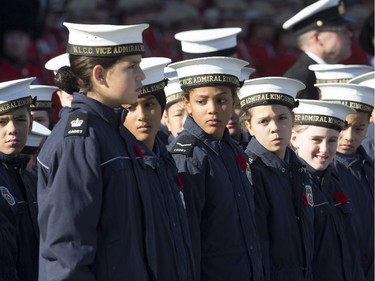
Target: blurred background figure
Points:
(323, 37)
(366, 37)
(20, 24)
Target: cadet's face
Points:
(175, 118)
(336, 43)
(14, 129)
(234, 125)
(351, 137)
(271, 125)
(41, 116)
(143, 119)
(316, 145)
(211, 108)
(123, 82)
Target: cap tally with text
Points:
(173, 91)
(209, 71)
(338, 73)
(208, 42)
(34, 139)
(358, 97)
(43, 94)
(320, 14)
(322, 114)
(269, 90)
(57, 62)
(105, 40)
(15, 94)
(367, 79)
(154, 82)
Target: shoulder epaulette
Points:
(76, 125)
(184, 145)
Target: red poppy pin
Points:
(341, 198)
(179, 182)
(241, 160)
(139, 151)
(304, 200)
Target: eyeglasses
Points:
(335, 29)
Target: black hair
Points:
(66, 80)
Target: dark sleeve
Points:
(366, 35)
(193, 178)
(261, 218)
(8, 244)
(69, 197)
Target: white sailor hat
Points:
(269, 90)
(320, 14)
(338, 73)
(15, 94)
(154, 82)
(37, 134)
(208, 42)
(322, 114)
(105, 40)
(169, 72)
(367, 79)
(209, 71)
(173, 91)
(246, 72)
(43, 95)
(358, 97)
(55, 63)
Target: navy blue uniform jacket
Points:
(336, 253)
(94, 206)
(25, 209)
(356, 174)
(300, 71)
(165, 217)
(219, 204)
(284, 222)
(8, 241)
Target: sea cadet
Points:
(314, 138)
(284, 224)
(354, 167)
(214, 172)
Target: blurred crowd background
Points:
(32, 31)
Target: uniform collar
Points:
(268, 158)
(208, 140)
(349, 160)
(151, 158)
(18, 162)
(315, 58)
(113, 116)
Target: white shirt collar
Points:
(315, 58)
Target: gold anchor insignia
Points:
(341, 8)
(319, 23)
